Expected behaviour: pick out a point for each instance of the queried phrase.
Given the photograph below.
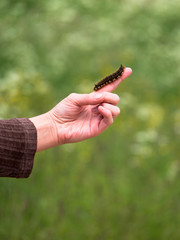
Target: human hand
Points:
(78, 116)
(82, 116)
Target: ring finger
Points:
(114, 109)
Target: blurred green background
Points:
(123, 184)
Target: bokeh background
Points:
(125, 183)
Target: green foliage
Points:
(124, 183)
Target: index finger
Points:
(112, 86)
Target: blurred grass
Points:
(124, 183)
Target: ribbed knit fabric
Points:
(18, 143)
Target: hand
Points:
(78, 116)
(82, 116)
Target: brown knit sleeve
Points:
(18, 143)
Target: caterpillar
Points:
(110, 78)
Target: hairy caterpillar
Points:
(110, 78)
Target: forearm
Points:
(46, 132)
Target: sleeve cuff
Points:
(18, 144)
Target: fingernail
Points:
(97, 96)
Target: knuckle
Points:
(111, 121)
(72, 95)
(102, 96)
(118, 111)
(117, 98)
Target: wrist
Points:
(46, 131)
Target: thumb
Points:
(86, 99)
